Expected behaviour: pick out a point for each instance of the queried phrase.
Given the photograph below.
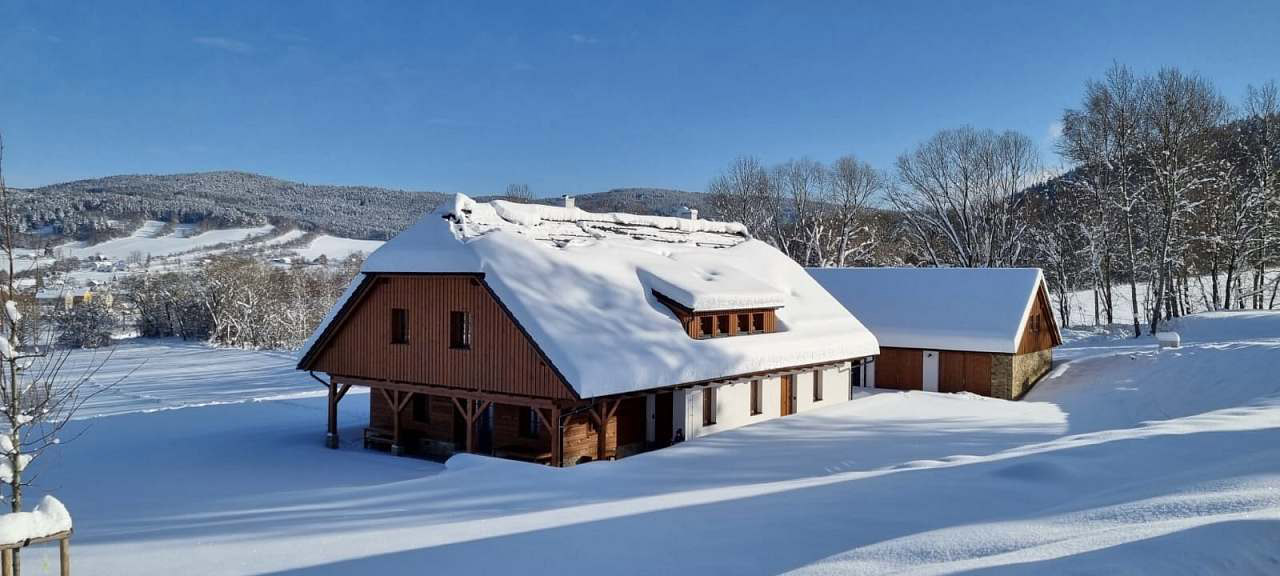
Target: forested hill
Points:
(100, 208)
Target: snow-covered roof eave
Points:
(959, 309)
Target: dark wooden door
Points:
(965, 372)
(663, 410)
(788, 395)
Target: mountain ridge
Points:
(97, 209)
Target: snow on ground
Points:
(151, 375)
(151, 239)
(1126, 459)
(335, 248)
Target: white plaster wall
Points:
(733, 401)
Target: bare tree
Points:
(854, 184)
(1179, 112)
(518, 192)
(743, 193)
(961, 196)
(37, 396)
(1262, 150)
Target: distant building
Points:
(988, 331)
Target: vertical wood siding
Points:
(501, 358)
(965, 372)
(900, 369)
(1041, 332)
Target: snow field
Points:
(1126, 459)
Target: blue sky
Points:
(567, 97)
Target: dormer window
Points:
(701, 325)
(706, 326)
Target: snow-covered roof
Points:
(972, 309)
(581, 284)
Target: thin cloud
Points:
(224, 43)
(1055, 130)
(583, 39)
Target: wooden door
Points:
(663, 409)
(788, 395)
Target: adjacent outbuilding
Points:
(988, 331)
(552, 334)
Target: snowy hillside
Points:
(1126, 459)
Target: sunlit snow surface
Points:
(1125, 460)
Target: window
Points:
(817, 385)
(529, 423)
(460, 330)
(744, 323)
(708, 406)
(399, 326)
(757, 322)
(422, 408)
(755, 397)
(722, 325)
(705, 326)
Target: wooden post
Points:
(557, 450)
(64, 555)
(602, 427)
(395, 424)
(6, 562)
(471, 423)
(331, 437)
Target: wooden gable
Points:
(1040, 332)
(501, 358)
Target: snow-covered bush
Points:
(86, 325)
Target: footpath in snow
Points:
(1126, 459)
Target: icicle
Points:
(11, 308)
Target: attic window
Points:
(459, 330)
(705, 327)
(757, 322)
(744, 323)
(722, 325)
(399, 326)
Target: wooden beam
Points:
(343, 391)
(449, 392)
(546, 422)
(6, 562)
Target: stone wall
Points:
(1012, 375)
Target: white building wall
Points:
(733, 401)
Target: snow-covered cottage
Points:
(552, 334)
(988, 331)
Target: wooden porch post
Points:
(397, 402)
(335, 396)
(557, 450)
(471, 424)
(331, 437)
(64, 556)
